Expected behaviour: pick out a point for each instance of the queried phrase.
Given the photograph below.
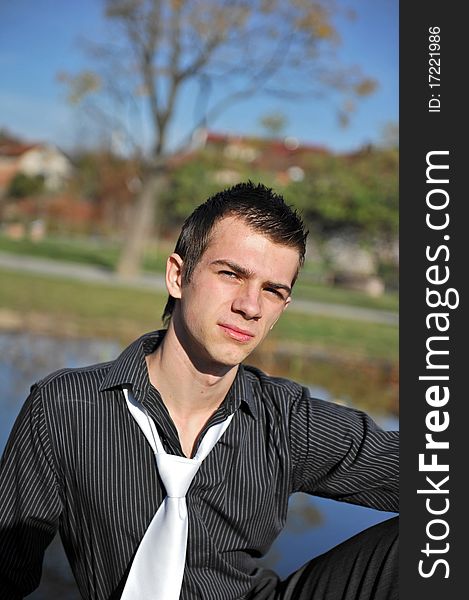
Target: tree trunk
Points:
(142, 221)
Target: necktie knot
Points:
(176, 472)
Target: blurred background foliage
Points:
(352, 197)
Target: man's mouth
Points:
(236, 333)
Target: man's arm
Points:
(29, 501)
(341, 453)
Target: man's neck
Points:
(190, 394)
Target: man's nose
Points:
(248, 302)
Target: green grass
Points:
(79, 250)
(105, 254)
(340, 336)
(98, 309)
(91, 253)
(307, 290)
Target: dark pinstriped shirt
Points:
(77, 462)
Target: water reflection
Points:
(313, 526)
(25, 358)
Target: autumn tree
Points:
(208, 54)
(110, 182)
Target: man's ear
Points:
(174, 275)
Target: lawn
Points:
(109, 311)
(105, 254)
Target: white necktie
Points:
(158, 566)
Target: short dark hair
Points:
(257, 205)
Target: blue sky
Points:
(39, 38)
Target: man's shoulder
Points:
(288, 395)
(87, 378)
(275, 387)
(98, 377)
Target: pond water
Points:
(314, 524)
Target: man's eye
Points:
(275, 292)
(228, 274)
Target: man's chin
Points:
(230, 355)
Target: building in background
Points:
(33, 160)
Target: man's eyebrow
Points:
(233, 266)
(248, 273)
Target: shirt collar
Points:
(240, 393)
(130, 366)
(130, 369)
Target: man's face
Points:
(238, 290)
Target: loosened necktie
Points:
(158, 566)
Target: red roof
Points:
(277, 145)
(15, 149)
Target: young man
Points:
(81, 457)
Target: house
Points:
(287, 158)
(33, 159)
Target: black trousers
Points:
(364, 567)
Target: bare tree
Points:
(221, 52)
